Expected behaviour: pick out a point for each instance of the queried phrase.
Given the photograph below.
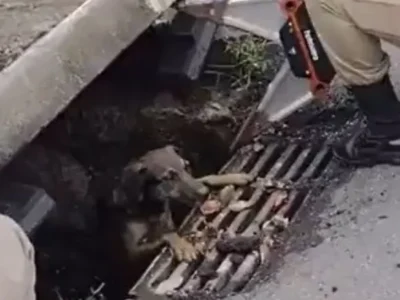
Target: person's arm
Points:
(17, 265)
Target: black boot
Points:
(379, 141)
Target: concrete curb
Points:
(47, 77)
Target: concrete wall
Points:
(49, 74)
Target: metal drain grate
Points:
(291, 162)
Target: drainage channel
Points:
(294, 163)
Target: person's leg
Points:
(350, 31)
(17, 267)
(377, 17)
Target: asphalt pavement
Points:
(348, 249)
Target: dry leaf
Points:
(281, 197)
(241, 205)
(257, 147)
(210, 207)
(238, 179)
(226, 194)
(280, 222)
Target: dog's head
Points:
(159, 175)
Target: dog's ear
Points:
(137, 168)
(136, 181)
(176, 151)
(173, 148)
(133, 181)
(169, 174)
(134, 173)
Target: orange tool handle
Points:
(291, 10)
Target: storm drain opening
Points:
(145, 99)
(295, 165)
(142, 101)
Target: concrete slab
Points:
(50, 73)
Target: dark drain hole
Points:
(253, 213)
(164, 274)
(248, 191)
(300, 197)
(252, 161)
(271, 161)
(191, 270)
(288, 162)
(323, 165)
(306, 163)
(228, 220)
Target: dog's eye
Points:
(169, 174)
(185, 163)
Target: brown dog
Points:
(146, 189)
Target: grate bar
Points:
(296, 166)
(265, 158)
(282, 163)
(314, 167)
(226, 266)
(238, 160)
(241, 217)
(253, 260)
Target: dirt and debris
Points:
(96, 293)
(279, 188)
(238, 244)
(210, 207)
(202, 239)
(226, 194)
(217, 201)
(327, 122)
(207, 270)
(238, 179)
(241, 205)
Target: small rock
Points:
(214, 112)
(206, 270)
(210, 207)
(238, 244)
(226, 194)
(258, 147)
(240, 205)
(237, 259)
